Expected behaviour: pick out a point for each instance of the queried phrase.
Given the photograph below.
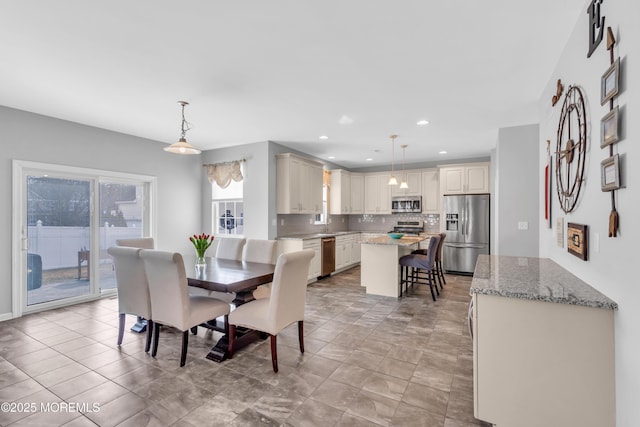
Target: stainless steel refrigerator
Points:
(467, 227)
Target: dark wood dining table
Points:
(223, 275)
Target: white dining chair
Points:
(262, 251)
(230, 248)
(285, 305)
(133, 288)
(171, 303)
(142, 243)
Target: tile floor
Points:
(369, 361)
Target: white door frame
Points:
(19, 237)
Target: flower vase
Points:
(201, 261)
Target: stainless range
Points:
(410, 227)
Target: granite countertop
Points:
(307, 236)
(538, 279)
(386, 240)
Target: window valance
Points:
(223, 173)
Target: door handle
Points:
(470, 318)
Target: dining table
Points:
(231, 276)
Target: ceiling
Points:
(356, 71)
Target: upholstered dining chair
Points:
(263, 251)
(230, 248)
(437, 266)
(285, 305)
(142, 243)
(419, 264)
(133, 288)
(171, 303)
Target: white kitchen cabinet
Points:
(414, 183)
(343, 251)
(340, 192)
(293, 245)
(431, 191)
(377, 195)
(299, 185)
(357, 193)
(542, 363)
(355, 249)
(316, 262)
(472, 178)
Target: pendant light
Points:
(403, 184)
(392, 178)
(182, 146)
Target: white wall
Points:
(516, 147)
(611, 267)
(32, 137)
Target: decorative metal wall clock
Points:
(571, 149)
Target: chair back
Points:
(263, 251)
(289, 289)
(142, 243)
(230, 248)
(443, 235)
(430, 258)
(167, 287)
(131, 280)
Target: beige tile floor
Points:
(369, 361)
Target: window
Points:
(227, 209)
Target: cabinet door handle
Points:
(470, 318)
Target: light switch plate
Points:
(523, 225)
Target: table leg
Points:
(244, 336)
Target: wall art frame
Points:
(609, 126)
(610, 173)
(578, 240)
(609, 83)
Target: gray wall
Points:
(611, 267)
(32, 137)
(516, 195)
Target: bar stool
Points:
(439, 271)
(417, 263)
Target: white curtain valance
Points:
(223, 173)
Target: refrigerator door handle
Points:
(465, 245)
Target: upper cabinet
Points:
(430, 191)
(340, 192)
(299, 185)
(357, 193)
(471, 178)
(377, 195)
(346, 193)
(414, 181)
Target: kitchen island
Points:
(543, 345)
(379, 268)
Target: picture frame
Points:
(609, 83)
(610, 173)
(578, 240)
(547, 193)
(609, 126)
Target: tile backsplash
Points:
(302, 224)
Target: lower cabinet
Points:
(538, 363)
(293, 245)
(347, 250)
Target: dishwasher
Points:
(328, 255)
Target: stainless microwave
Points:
(406, 204)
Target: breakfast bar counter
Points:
(379, 269)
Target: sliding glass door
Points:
(65, 219)
(59, 237)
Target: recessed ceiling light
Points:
(442, 152)
(324, 137)
(422, 122)
(331, 157)
(369, 159)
